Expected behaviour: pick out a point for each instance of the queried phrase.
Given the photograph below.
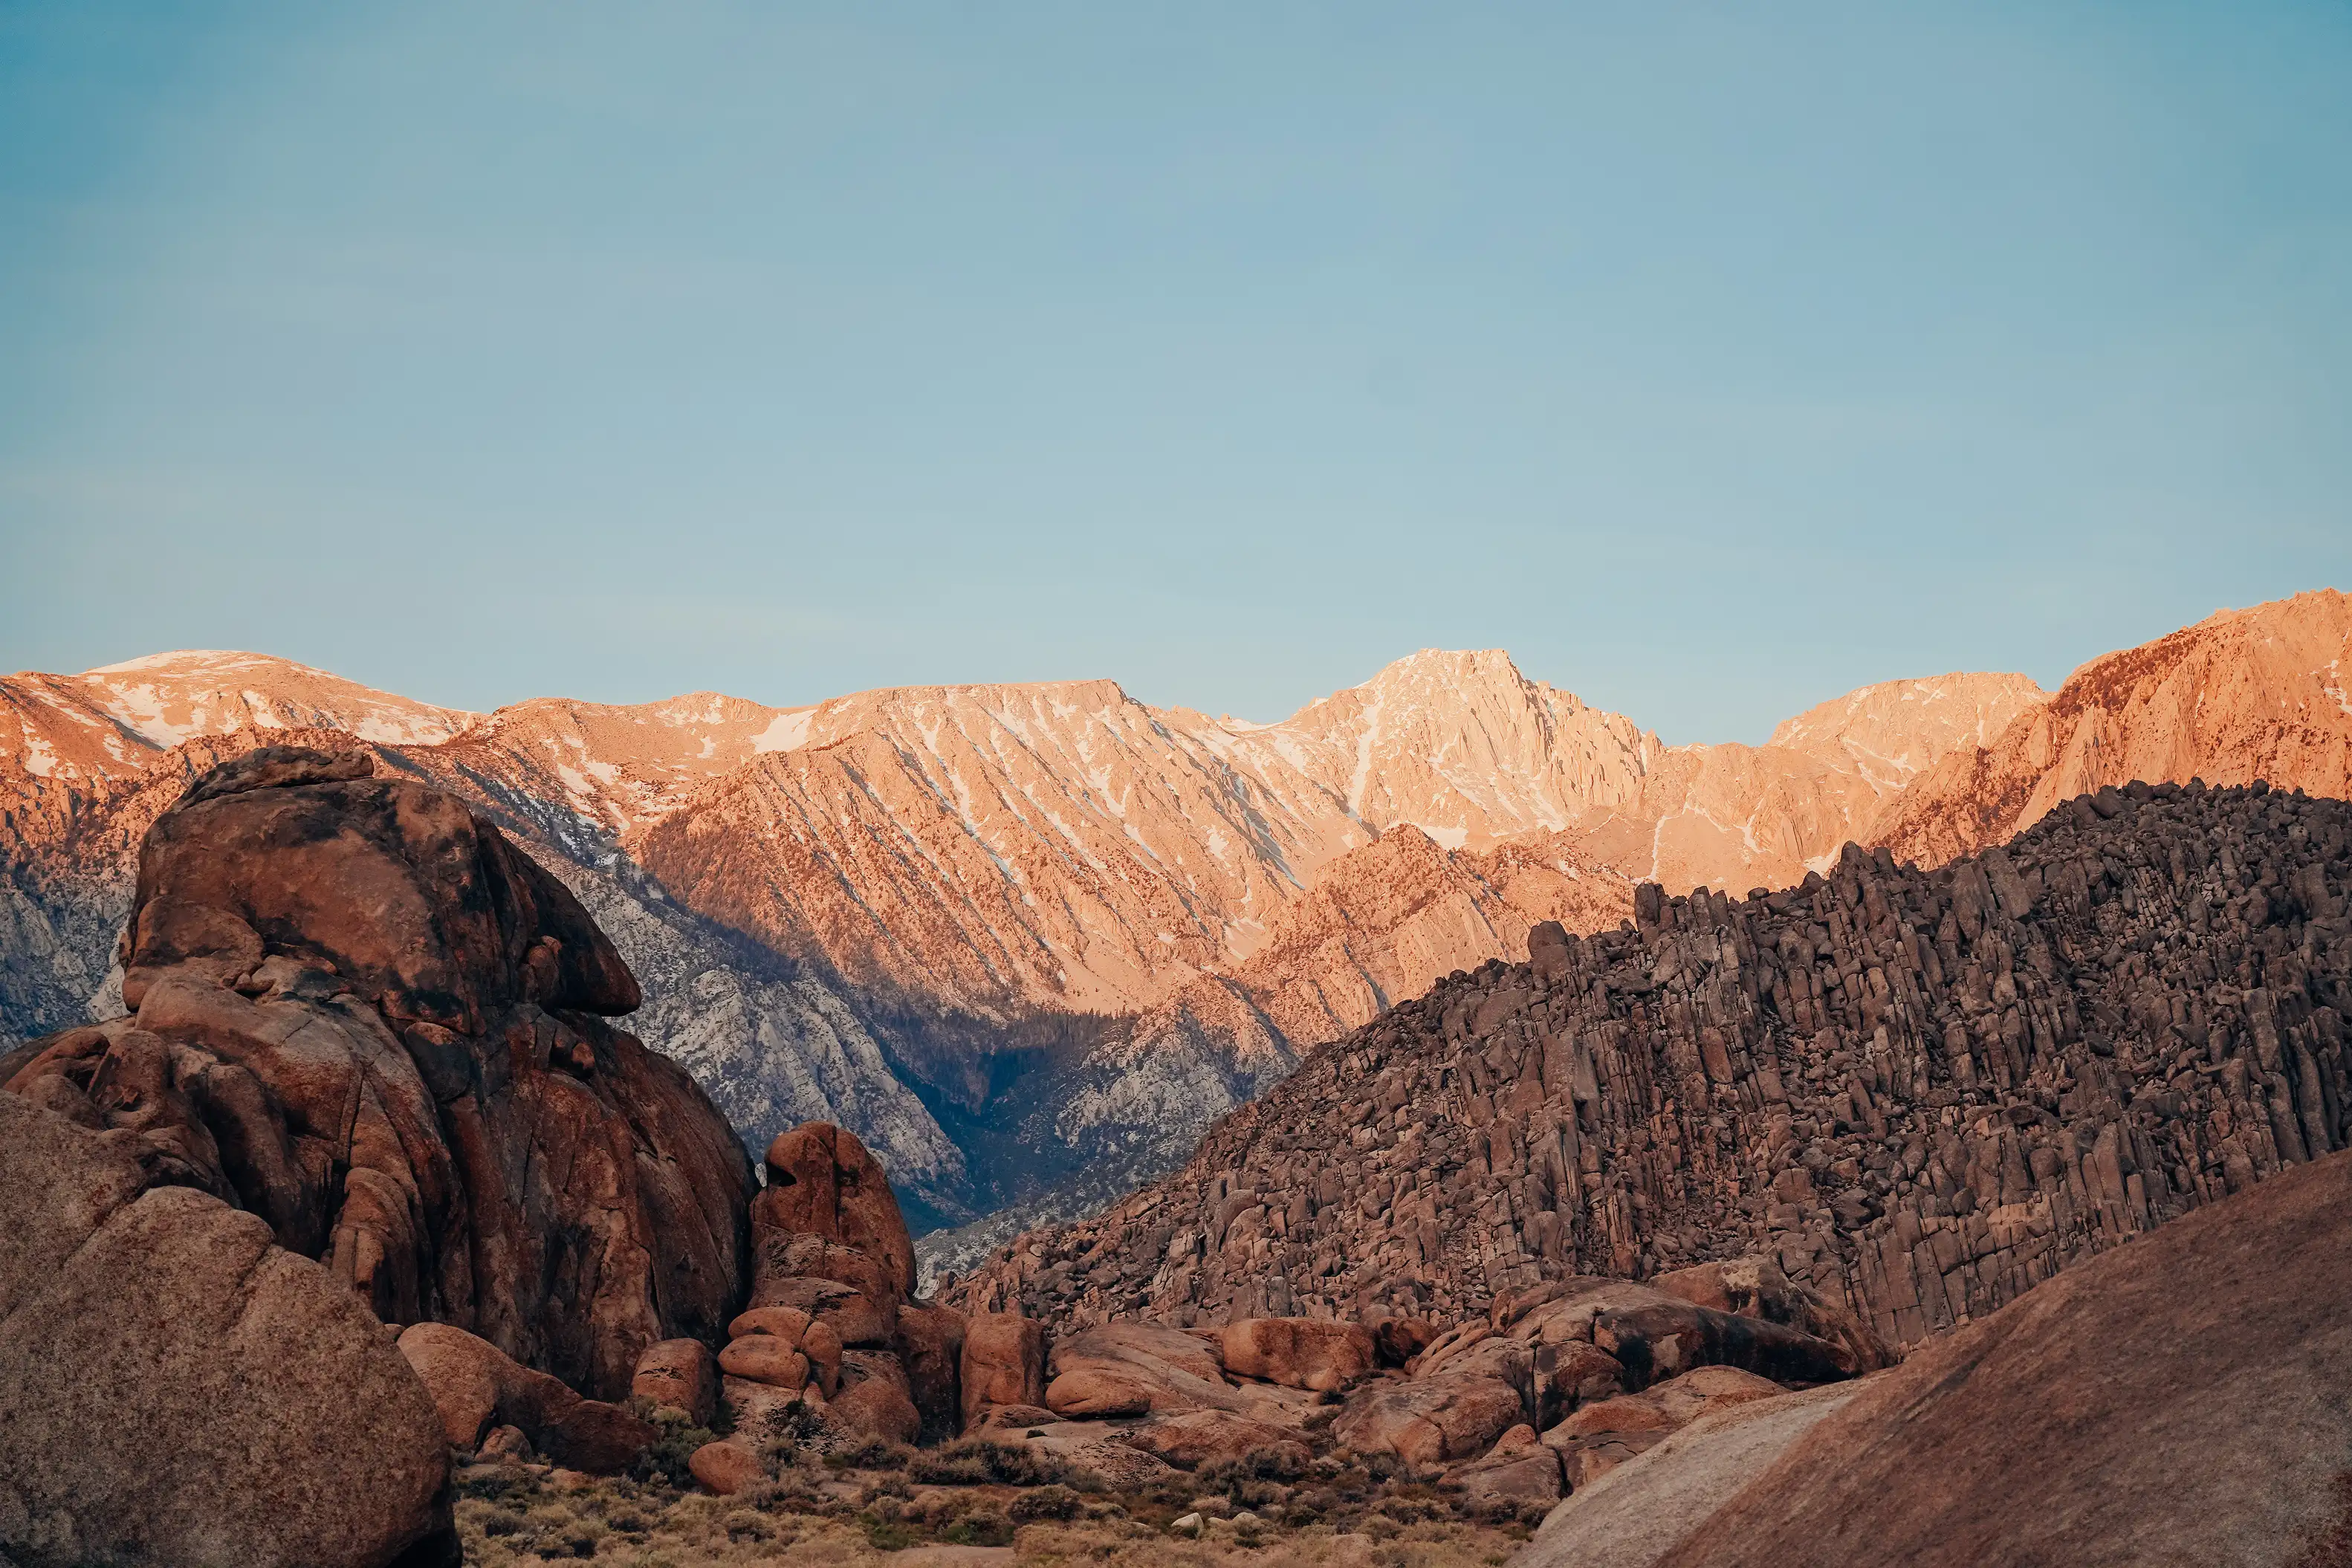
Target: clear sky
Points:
(1714, 360)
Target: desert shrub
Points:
(578, 1538)
(890, 1534)
(1482, 1510)
(794, 1426)
(743, 1524)
(981, 1527)
(957, 1465)
(1174, 1491)
(1045, 1503)
(979, 1462)
(627, 1519)
(1275, 1462)
(871, 1454)
(502, 1483)
(666, 1459)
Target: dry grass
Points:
(1339, 1515)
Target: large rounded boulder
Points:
(178, 1389)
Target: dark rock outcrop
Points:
(176, 1388)
(363, 1017)
(1916, 1094)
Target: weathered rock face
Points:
(1003, 1364)
(1917, 1093)
(179, 1389)
(1298, 1352)
(679, 1375)
(2177, 1401)
(1633, 1514)
(830, 1326)
(363, 1017)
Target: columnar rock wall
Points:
(1921, 1092)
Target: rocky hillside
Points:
(1920, 1091)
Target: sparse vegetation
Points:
(859, 1506)
(981, 1461)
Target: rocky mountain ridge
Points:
(983, 924)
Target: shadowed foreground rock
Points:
(2180, 1401)
(363, 1017)
(1637, 1512)
(175, 1389)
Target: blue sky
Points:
(1713, 360)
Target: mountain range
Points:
(1029, 941)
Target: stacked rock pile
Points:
(830, 1325)
(1917, 1093)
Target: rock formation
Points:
(2177, 1401)
(1919, 1093)
(833, 1328)
(476, 1389)
(179, 1388)
(362, 1015)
